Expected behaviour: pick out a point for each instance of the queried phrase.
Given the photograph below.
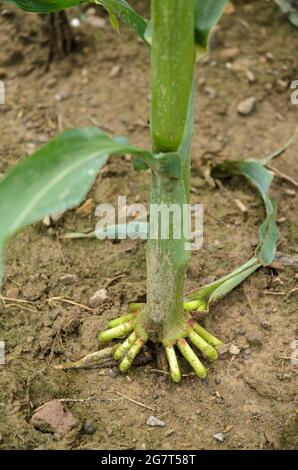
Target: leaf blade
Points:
(207, 14)
(56, 177)
(44, 6)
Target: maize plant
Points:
(58, 176)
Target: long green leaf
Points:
(56, 177)
(209, 293)
(261, 178)
(208, 13)
(44, 6)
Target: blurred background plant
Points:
(290, 8)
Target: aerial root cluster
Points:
(125, 353)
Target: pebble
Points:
(68, 279)
(230, 53)
(115, 71)
(254, 338)
(247, 106)
(234, 350)
(54, 417)
(217, 380)
(242, 312)
(266, 325)
(155, 422)
(113, 373)
(219, 437)
(51, 83)
(290, 192)
(98, 298)
(205, 382)
(241, 331)
(88, 427)
(75, 22)
(13, 293)
(250, 76)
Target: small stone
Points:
(75, 22)
(266, 325)
(88, 427)
(115, 71)
(242, 312)
(113, 373)
(205, 382)
(282, 85)
(32, 293)
(51, 83)
(68, 279)
(219, 437)
(63, 95)
(242, 343)
(13, 293)
(269, 56)
(234, 350)
(211, 92)
(91, 11)
(155, 422)
(98, 298)
(230, 8)
(169, 432)
(97, 22)
(217, 380)
(230, 53)
(54, 417)
(290, 192)
(241, 331)
(247, 106)
(250, 76)
(254, 338)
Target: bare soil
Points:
(249, 397)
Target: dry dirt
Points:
(249, 397)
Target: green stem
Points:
(173, 53)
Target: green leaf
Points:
(288, 7)
(56, 177)
(218, 289)
(115, 8)
(208, 13)
(122, 9)
(44, 6)
(261, 178)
